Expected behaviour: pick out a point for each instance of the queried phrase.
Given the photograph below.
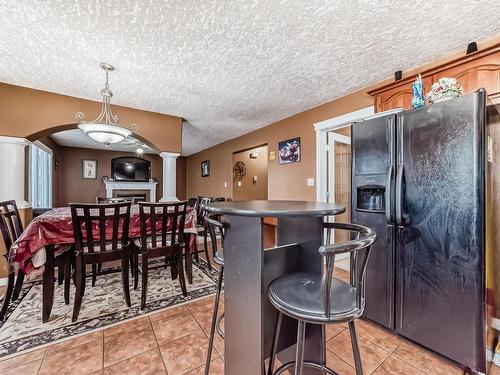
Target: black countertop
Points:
(274, 208)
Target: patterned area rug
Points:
(102, 305)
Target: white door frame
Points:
(332, 138)
(322, 128)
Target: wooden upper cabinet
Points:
(399, 96)
(479, 70)
(476, 74)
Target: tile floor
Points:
(174, 342)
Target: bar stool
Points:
(320, 298)
(215, 227)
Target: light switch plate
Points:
(239, 183)
(310, 182)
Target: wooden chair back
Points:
(100, 227)
(163, 223)
(11, 226)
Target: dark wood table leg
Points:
(189, 257)
(48, 284)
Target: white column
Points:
(13, 170)
(169, 176)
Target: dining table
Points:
(249, 317)
(51, 235)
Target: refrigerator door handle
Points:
(388, 194)
(399, 194)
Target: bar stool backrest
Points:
(163, 223)
(102, 226)
(215, 227)
(359, 251)
(200, 212)
(10, 223)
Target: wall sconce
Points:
(254, 155)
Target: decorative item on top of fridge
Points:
(445, 88)
(418, 99)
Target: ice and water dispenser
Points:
(370, 198)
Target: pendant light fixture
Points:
(105, 128)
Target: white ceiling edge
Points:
(77, 138)
(229, 67)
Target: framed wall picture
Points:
(89, 169)
(289, 151)
(205, 168)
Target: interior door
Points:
(440, 210)
(339, 179)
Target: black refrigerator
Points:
(418, 179)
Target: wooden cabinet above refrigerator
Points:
(478, 70)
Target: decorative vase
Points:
(418, 99)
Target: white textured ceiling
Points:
(77, 138)
(229, 67)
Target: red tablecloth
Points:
(55, 228)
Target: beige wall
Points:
(286, 181)
(248, 189)
(34, 114)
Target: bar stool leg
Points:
(355, 349)
(274, 347)
(299, 355)
(214, 321)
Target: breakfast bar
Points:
(249, 317)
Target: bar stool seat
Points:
(219, 257)
(301, 296)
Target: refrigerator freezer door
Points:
(439, 253)
(372, 181)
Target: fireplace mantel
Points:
(131, 185)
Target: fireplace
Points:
(135, 197)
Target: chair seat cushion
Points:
(302, 295)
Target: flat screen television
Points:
(130, 169)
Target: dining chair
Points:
(321, 298)
(162, 235)
(216, 230)
(201, 229)
(101, 235)
(11, 228)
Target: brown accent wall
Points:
(181, 178)
(34, 114)
(73, 188)
(284, 181)
(248, 189)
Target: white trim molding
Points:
(13, 169)
(322, 128)
(131, 185)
